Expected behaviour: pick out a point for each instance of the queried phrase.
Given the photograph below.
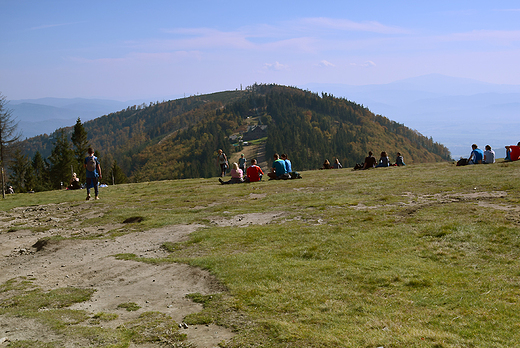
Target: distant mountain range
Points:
(45, 115)
(456, 112)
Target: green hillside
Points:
(179, 139)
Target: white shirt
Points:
(489, 156)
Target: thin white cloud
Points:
(301, 35)
(47, 26)
(275, 67)
(367, 64)
(327, 64)
(348, 25)
(208, 38)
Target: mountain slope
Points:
(178, 139)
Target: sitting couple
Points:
(254, 173)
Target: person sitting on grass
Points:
(254, 172)
(384, 161)
(326, 164)
(476, 155)
(489, 155)
(370, 161)
(336, 164)
(237, 176)
(399, 161)
(288, 164)
(278, 171)
(513, 152)
(74, 183)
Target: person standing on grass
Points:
(242, 163)
(93, 173)
(223, 162)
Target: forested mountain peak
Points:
(179, 138)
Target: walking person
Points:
(93, 173)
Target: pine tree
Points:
(80, 144)
(41, 173)
(21, 172)
(61, 160)
(116, 175)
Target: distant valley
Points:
(45, 115)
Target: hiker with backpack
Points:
(93, 173)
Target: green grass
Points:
(417, 256)
(129, 306)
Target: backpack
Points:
(462, 162)
(91, 164)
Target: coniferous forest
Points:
(179, 138)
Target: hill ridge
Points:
(179, 138)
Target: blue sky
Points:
(161, 49)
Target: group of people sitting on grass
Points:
(281, 170)
(384, 161)
(254, 173)
(335, 165)
(478, 156)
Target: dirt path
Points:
(250, 152)
(90, 264)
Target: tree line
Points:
(55, 172)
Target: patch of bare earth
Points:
(417, 201)
(247, 219)
(90, 264)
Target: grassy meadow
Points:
(425, 255)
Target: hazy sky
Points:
(158, 49)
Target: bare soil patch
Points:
(56, 263)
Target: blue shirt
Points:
(478, 155)
(279, 167)
(288, 168)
